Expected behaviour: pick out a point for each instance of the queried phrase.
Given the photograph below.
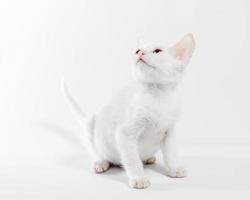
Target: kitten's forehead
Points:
(150, 46)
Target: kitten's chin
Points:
(147, 74)
(143, 63)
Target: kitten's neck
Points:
(159, 86)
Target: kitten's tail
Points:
(74, 106)
(86, 122)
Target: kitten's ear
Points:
(184, 48)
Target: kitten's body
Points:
(141, 118)
(137, 102)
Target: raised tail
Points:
(74, 106)
(86, 122)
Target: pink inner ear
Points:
(184, 48)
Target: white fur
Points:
(141, 118)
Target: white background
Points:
(91, 44)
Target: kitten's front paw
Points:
(176, 172)
(139, 182)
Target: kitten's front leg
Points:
(127, 140)
(169, 155)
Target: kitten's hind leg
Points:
(149, 161)
(101, 166)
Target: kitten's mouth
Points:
(145, 63)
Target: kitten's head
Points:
(159, 64)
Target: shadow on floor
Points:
(62, 132)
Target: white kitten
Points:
(141, 118)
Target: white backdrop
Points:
(91, 43)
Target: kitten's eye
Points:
(137, 51)
(157, 51)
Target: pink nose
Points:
(140, 53)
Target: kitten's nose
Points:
(140, 53)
